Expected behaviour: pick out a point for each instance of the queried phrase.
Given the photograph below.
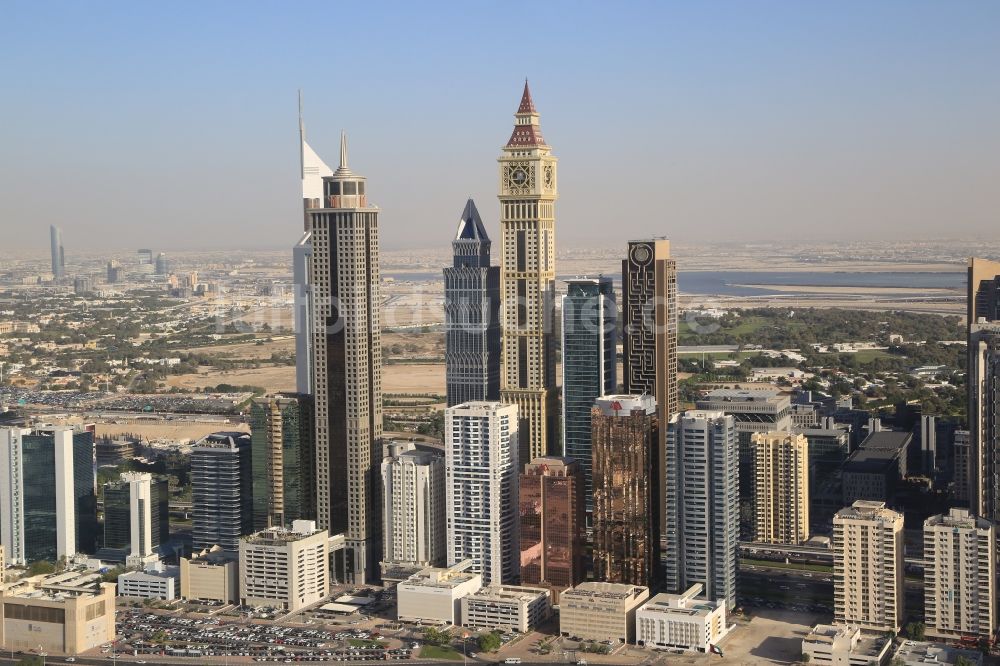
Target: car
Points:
(140, 661)
(71, 659)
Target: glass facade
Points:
(283, 457)
(39, 497)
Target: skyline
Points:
(805, 121)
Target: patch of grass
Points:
(440, 652)
(801, 566)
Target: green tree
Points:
(915, 631)
(41, 567)
(434, 636)
(964, 661)
(489, 642)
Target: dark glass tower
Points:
(222, 490)
(472, 314)
(281, 431)
(589, 329)
(984, 387)
(118, 518)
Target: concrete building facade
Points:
(435, 594)
(687, 621)
(844, 645)
(781, 487)
(285, 568)
(506, 607)
(601, 611)
(414, 518)
(210, 575)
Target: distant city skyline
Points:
(808, 121)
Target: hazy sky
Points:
(173, 125)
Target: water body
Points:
(732, 283)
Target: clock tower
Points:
(528, 192)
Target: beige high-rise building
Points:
(347, 368)
(868, 567)
(781, 487)
(960, 576)
(527, 196)
(285, 568)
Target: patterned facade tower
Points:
(626, 527)
(984, 388)
(649, 323)
(472, 315)
(527, 219)
(347, 369)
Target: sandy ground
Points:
(171, 431)
(248, 350)
(413, 378)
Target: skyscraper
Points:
(626, 524)
(58, 254)
(528, 192)
(649, 336)
(781, 487)
(589, 344)
(414, 524)
(162, 264)
(347, 367)
(552, 524)
(868, 567)
(481, 447)
(136, 515)
(472, 314)
(221, 490)
(702, 491)
(48, 507)
(984, 387)
(283, 459)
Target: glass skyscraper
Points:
(283, 455)
(222, 490)
(589, 336)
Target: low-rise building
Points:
(435, 595)
(686, 621)
(844, 645)
(601, 611)
(157, 581)
(69, 613)
(210, 575)
(285, 568)
(921, 653)
(508, 607)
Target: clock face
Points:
(519, 177)
(641, 254)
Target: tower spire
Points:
(343, 149)
(527, 105)
(527, 130)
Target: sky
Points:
(173, 125)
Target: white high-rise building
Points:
(702, 500)
(413, 507)
(868, 567)
(960, 576)
(140, 492)
(285, 568)
(481, 466)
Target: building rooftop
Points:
(887, 440)
(153, 574)
(917, 653)
(508, 593)
(613, 591)
(57, 586)
(224, 440)
(871, 461)
(688, 603)
(443, 577)
(869, 510)
(958, 518)
(849, 637)
(279, 536)
(745, 395)
(623, 405)
(214, 556)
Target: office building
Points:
(110, 452)
(136, 516)
(82, 285)
(960, 571)
(162, 264)
(589, 365)
(434, 595)
(601, 611)
(626, 485)
(983, 319)
(283, 459)
(210, 575)
(875, 469)
(222, 490)
(828, 449)
(506, 607)
(702, 489)
(844, 645)
(868, 567)
(649, 337)
(927, 431)
(960, 488)
(414, 523)
(157, 581)
(471, 315)
(57, 252)
(687, 621)
(115, 272)
(528, 192)
(66, 613)
(552, 527)
(922, 653)
(347, 367)
(48, 503)
(781, 487)
(145, 257)
(481, 448)
(285, 568)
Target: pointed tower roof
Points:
(527, 106)
(343, 169)
(527, 132)
(312, 167)
(470, 227)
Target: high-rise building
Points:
(481, 448)
(285, 568)
(589, 366)
(162, 264)
(472, 314)
(781, 487)
(984, 387)
(649, 337)
(283, 459)
(960, 576)
(928, 444)
(58, 254)
(48, 503)
(868, 567)
(528, 192)
(82, 285)
(626, 485)
(552, 524)
(145, 257)
(221, 490)
(347, 367)
(115, 273)
(702, 489)
(414, 523)
(136, 514)
(960, 489)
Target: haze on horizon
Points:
(174, 126)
